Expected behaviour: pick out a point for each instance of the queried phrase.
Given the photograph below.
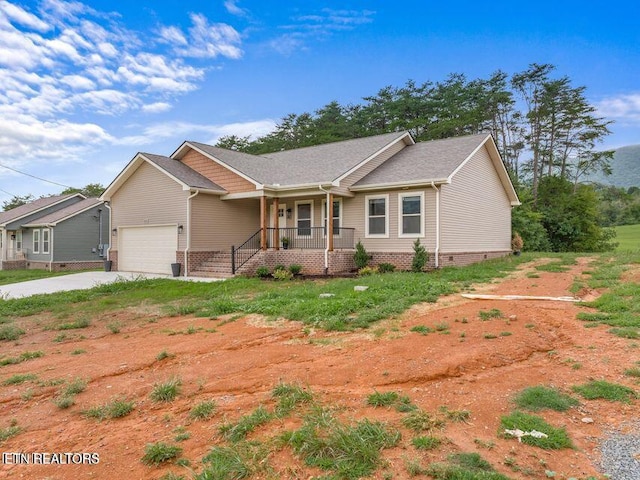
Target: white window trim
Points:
(36, 233)
(386, 216)
(325, 215)
(401, 196)
(48, 242)
(303, 202)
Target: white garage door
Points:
(149, 249)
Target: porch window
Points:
(19, 241)
(337, 215)
(377, 218)
(36, 241)
(411, 214)
(304, 218)
(45, 240)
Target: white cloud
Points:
(210, 40)
(624, 108)
(233, 8)
(157, 107)
(17, 14)
(173, 36)
(78, 82)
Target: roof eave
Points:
(393, 185)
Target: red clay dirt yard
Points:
(465, 363)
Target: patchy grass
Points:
(11, 431)
(541, 398)
(16, 276)
(557, 438)
(601, 389)
(23, 357)
(10, 333)
(167, 391)
(382, 399)
(426, 442)
(160, 452)
(489, 314)
(19, 378)
(464, 466)
(421, 421)
(117, 408)
(627, 238)
(203, 410)
(232, 463)
(421, 329)
(289, 396)
(387, 295)
(235, 432)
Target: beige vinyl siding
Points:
(218, 174)
(475, 210)
(354, 214)
(369, 167)
(217, 224)
(149, 197)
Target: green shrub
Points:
(263, 272)
(540, 398)
(366, 271)
(157, 453)
(281, 274)
(279, 267)
(295, 269)
(420, 257)
(361, 257)
(19, 378)
(386, 267)
(421, 329)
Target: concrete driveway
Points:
(79, 281)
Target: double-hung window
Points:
(336, 215)
(304, 218)
(411, 215)
(36, 241)
(377, 216)
(45, 240)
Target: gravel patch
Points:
(620, 455)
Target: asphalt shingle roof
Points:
(424, 161)
(300, 166)
(63, 213)
(29, 208)
(182, 172)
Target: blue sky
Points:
(86, 85)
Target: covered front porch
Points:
(290, 224)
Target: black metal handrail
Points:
(310, 238)
(243, 253)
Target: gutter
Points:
(326, 237)
(437, 251)
(186, 250)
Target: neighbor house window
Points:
(36, 241)
(411, 214)
(304, 218)
(19, 241)
(377, 216)
(45, 240)
(337, 215)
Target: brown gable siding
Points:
(228, 180)
(149, 197)
(475, 209)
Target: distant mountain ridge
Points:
(625, 168)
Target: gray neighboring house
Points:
(212, 211)
(61, 232)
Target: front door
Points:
(282, 221)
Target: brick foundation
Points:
(65, 266)
(312, 261)
(14, 264)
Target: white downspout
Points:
(437, 252)
(186, 250)
(326, 240)
(109, 233)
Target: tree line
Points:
(546, 130)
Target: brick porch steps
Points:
(218, 265)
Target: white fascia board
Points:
(395, 185)
(404, 138)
